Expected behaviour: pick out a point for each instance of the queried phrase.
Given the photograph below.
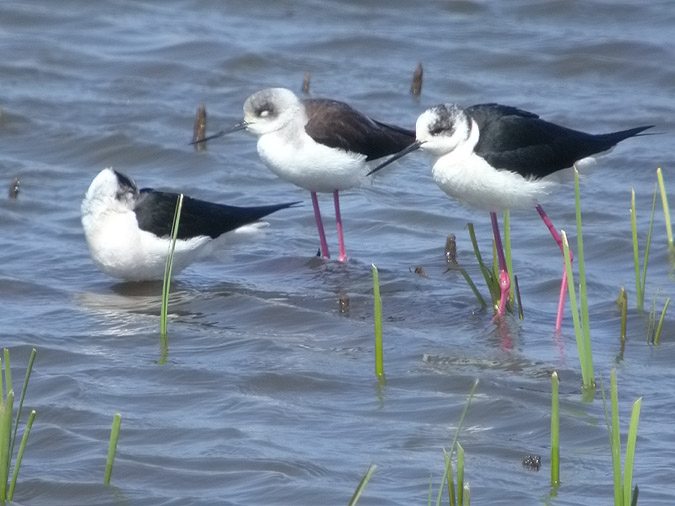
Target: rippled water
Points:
(268, 395)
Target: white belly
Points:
(473, 181)
(311, 165)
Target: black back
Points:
(155, 211)
(338, 125)
(520, 141)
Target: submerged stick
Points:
(199, 129)
(416, 85)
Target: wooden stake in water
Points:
(112, 447)
(377, 316)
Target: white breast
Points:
(120, 249)
(312, 166)
(473, 181)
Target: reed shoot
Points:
(491, 280)
(656, 336)
(624, 494)
(585, 359)
(666, 209)
(448, 475)
(166, 285)
(641, 275)
(362, 485)
(112, 447)
(7, 433)
(555, 430)
(377, 316)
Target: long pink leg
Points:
(319, 225)
(504, 280)
(338, 222)
(563, 284)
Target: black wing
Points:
(338, 125)
(155, 210)
(520, 141)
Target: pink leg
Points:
(504, 280)
(563, 284)
(338, 222)
(319, 225)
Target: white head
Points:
(440, 129)
(109, 192)
(271, 109)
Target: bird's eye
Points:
(264, 113)
(436, 130)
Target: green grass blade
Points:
(467, 495)
(112, 447)
(166, 285)
(5, 434)
(448, 468)
(648, 245)
(490, 279)
(19, 455)
(24, 388)
(639, 295)
(659, 326)
(555, 430)
(362, 485)
(460, 474)
(574, 308)
(8, 372)
(583, 297)
(615, 439)
(449, 478)
(636, 492)
(630, 451)
(666, 208)
(473, 287)
(463, 415)
(377, 316)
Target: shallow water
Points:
(268, 395)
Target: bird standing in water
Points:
(318, 144)
(497, 157)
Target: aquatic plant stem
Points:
(19, 455)
(166, 285)
(555, 430)
(362, 485)
(659, 326)
(377, 317)
(630, 451)
(490, 279)
(112, 447)
(581, 265)
(666, 208)
(615, 439)
(584, 359)
(22, 397)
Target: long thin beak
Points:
(239, 126)
(412, 147)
